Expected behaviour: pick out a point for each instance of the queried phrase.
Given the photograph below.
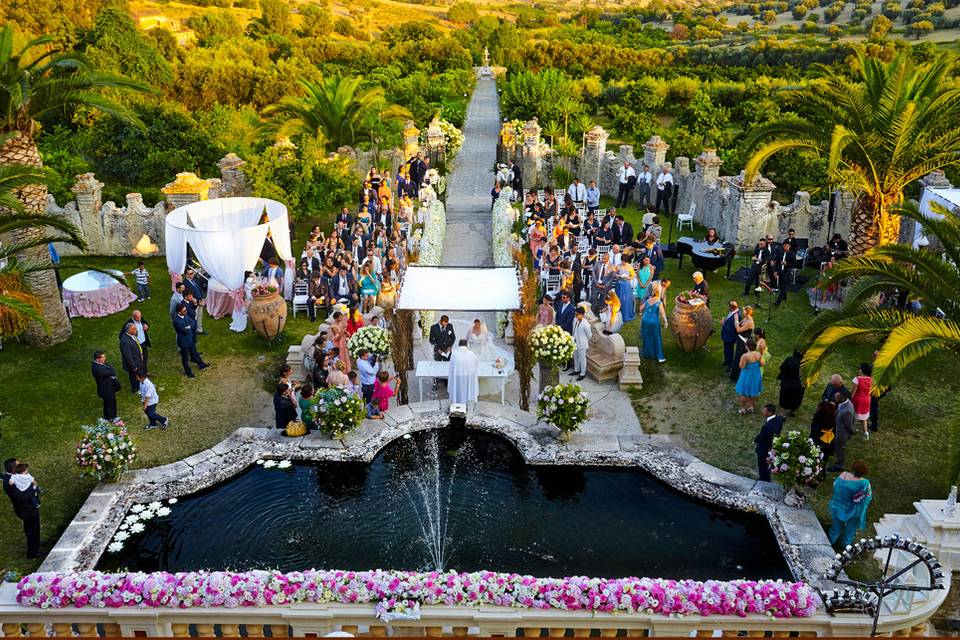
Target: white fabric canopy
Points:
(455, 289)
(947, 198)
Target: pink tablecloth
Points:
(98, 302)
(219, 303)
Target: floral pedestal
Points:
(794, 498)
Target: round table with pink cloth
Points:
(219, 301)
(92, 294)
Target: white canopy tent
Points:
(227, 237)
(459, 289)
(947, 198)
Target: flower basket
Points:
(337, 412)
(295, 429)
(796, 461)
(564, 406)
(373, 339)
(106, 450)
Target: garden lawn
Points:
(691, 398)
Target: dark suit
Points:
(106, 378)
(830, 391)
(761, 257)
(728, 334)
(186, 329)
(351, 287)
(565, 316)
(517, 183)
(26, 506)
(781, 264)
(344, 217)
(442, 339)
(604, 277)
(284, 411)
(132, 359)
(622, 236)
(844, 429)
(771, 428)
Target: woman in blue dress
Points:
(644, 278)
(750, 382)
(651, 314)
(848, 506)
(626, 281)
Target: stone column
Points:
(88, 191)
(411, 139)
(530, 162)
(655, 153)
(935, 180)
(436, 142)
(233, 179)
(594, 149)
(754, 216)
(507, 147)
(185, 189)
(708, 167)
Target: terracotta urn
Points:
(691, 323)
(268, 314)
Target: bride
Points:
(480, 342)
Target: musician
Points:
(792, 239)
(701, 287)
(837, 247)
(761, 258)
(782, 262)
(712, 237)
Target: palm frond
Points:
(909, 341)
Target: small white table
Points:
(437, 369)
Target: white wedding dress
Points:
(486, 351)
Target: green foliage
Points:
(316, 21)
(274, 18)
(879, 28)
(529, 95)
(59, 151)
(919, 28)
(463, 12)
(115, 44)
(215, 27)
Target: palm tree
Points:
(37, 81)
(879, 134)
(336, 110)
(906, 337)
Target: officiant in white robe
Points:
(463, 381)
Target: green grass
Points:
(691, 398)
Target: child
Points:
(353, 386)
(23, 481)
(382, 392)
(143, 282)
(150, 397)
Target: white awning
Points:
(949, 199)
(456, 289)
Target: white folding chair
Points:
(602, 249)
(600, 214)
(553, 285)
(300, 296)
(541, 195)
(583, 244)
(686, 218)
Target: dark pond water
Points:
(460, 498)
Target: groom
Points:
(442, 338)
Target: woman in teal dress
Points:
(305, 403)
(651, 314)
(848, 506)
(644, 278)
(750, 381)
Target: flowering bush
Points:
(106, 450)
(135, 522)
(337, 411)
(795, 459)
(372, 339)
(261, 588)
(431, 249)
(564, 406)
(552, 345)
(454, 137)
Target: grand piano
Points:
(706, 257)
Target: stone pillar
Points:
(630, 374)
(88, 191)
(655, 152)
(594, 149)
(708, 167)
(507, 143)
(530, 162)
(216, 189)
(185, 189)
(755, 217)
(411, 139)
(436, 142)
(232, 176)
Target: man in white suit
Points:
(581, 338)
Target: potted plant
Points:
(564, 406)
(796, 461)
(551, 347)
(267, 310)
(337, 412)
(690, 321)
(106, 450)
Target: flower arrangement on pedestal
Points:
(338, 412)
(390, 609)
(796, 461)
(552, 345)
(106, 450)
(376, 340)
(454, 137)
(564, 406)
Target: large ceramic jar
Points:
(268, 315)
(691, 324)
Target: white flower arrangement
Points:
(552, 345)
(431, 249)
(338, 411)
(454, 138)
(373, 339)
(504, 217)
(564, 406)
(795, 459)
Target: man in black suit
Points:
(517, 179)
(26, 506)
(107, 384)
(344, 286)
(193, 286)
(343, 233)
(186, 329)
(143, 334)
(131, 356)
(728, 334)
(345, 217)
(622, 231)
(700, 286)
(565, 312)
(782, 263)
(442, 337)
(312, 261)
(761, 256)
(772, 426)
(845, 418)
(418, 169)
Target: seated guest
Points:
(303, 271)
(604, 235)
(837, 247)
(284, 406)
(712, 237)
(700, 286)
(610, 316)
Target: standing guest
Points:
(602, 280)
(772, 426)
(728, 333)
(750, 380)
(576, 191)
(516, 178)
(142, 278)
(611, 316)
(344, 217)
(546, 315)
(143, 335)
(626, 179)
(664, 188)
(581, 339)
(339, 378)
(150, 399)
(273, 272)
(860, 396)
(644, 180)
(852, 494)
(823, 427)
(761, 256)
(192, 286)
(744, 328)
(622, 231)
(107, 384)
(305, 403)
(494, 194)
(700, 286)
(593, 196)
(652, 313)
(760, 337)
(626, 283)
(131, 356)
(379, 401)
(339, 336)
(284, 406)
(833, 388)
(652, 249)
(186, 329)
(354, 320)
(644, 278)
(844, 428)
(791, 384)
(783, 262)
(26, 506)
(655, 230)
(442, 338)
(565, 312)
(368, 368)
(176, 298)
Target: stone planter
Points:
(691, 325)
(548, 376)
(268, 315)
(794, 498)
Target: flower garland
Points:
(504, 217)
(431, 249)
(373, 339)
(774, 598)
(106, 450)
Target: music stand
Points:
(764, 285)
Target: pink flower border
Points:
(774, 598)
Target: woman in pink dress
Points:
(861, 396)
(339, 337)
(538, 237)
